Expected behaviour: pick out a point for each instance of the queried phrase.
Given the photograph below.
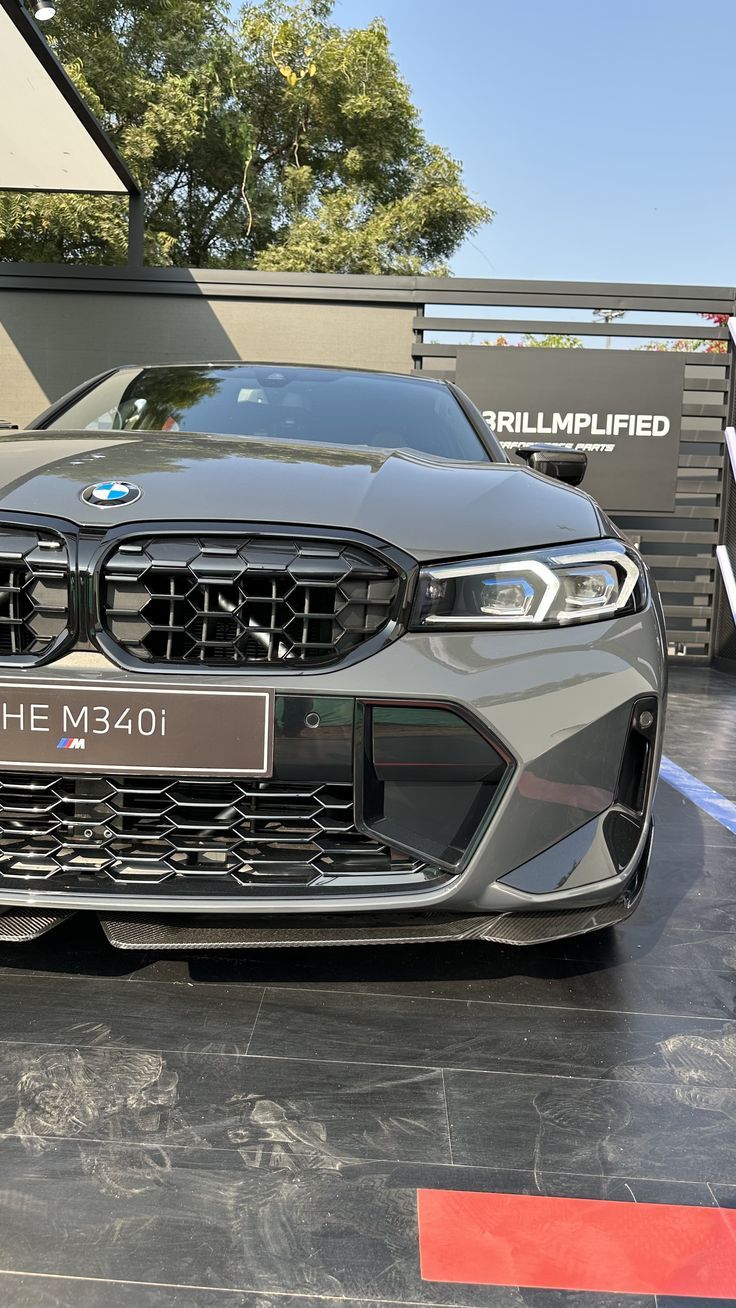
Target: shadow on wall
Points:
(68, 327)
(50, 340)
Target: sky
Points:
(602, 134)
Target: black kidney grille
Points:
(143, 831)
(34, 591)
(219, 600)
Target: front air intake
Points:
(636, 763)
(236, 601)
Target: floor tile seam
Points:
(32, 975)
(438, 1069)
(482, 1169)
(390, 994)
(164, 1143)
(213, 1053)
(235, 1289)
(447, 1117)
(499, 1003)
(255, 1021)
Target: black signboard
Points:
(622, 407)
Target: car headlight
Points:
(549, 587)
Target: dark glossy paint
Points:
(432, 508)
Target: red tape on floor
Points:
(577, 1244)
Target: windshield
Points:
(325, 405)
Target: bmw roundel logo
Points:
(108, 494)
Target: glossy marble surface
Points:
(200, 1131)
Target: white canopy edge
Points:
(49, 139)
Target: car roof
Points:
(296, 367)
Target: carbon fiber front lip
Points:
(135, 932)
(17, 927)
(130, 932)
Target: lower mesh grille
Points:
(138, 831)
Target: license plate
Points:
(89, 728)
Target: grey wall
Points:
(52, 339)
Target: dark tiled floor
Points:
(700, 734)
(242, 1130)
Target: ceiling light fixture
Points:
(44, 10)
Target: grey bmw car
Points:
(295, 655)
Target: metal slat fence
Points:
(680, 547)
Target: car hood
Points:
(432, 508)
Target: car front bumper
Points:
(558, 837)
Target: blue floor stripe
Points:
(710, 801)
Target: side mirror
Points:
(569, 466)
(8, 426)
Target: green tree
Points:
(552, 342)
(689, 346)
(555, 341)
(277, 141)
